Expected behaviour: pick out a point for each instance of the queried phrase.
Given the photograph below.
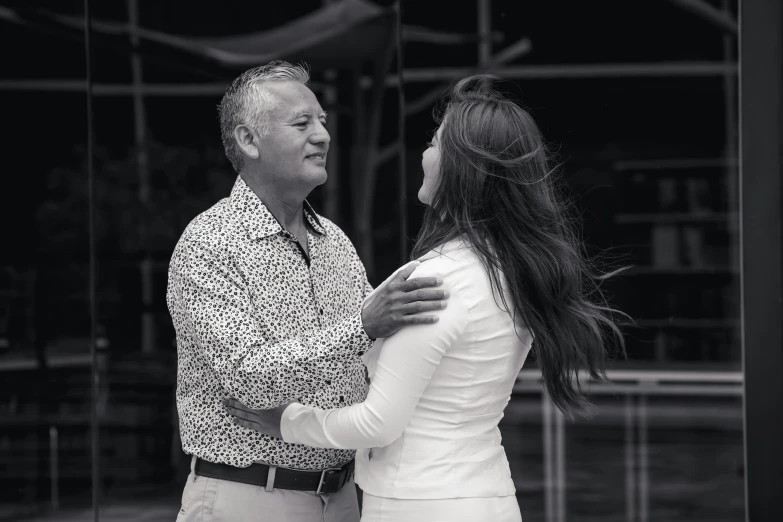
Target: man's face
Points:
(294, 152)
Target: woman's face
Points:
(430, 163)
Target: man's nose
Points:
(320, 135)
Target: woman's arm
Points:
(406, 363)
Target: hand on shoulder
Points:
(404, 300)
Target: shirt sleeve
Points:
(406, 364)
(213, 307)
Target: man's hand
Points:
(263, 421)
(401, 302)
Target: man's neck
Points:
(288, 209)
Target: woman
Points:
(497, 234)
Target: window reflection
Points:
(651, 159)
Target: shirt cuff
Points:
(289, 415)
(365, 341)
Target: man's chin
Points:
(318, 176)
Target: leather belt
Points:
(329, 480)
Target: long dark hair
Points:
(496, 191)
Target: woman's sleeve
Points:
(406, 363)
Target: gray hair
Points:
(246, 102)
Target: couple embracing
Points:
(296, 378)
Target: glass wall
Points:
(642, 116)
(44, 314)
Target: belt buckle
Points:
(323, 475)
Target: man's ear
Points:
(247, 139)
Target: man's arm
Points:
(213, 308)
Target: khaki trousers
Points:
(206, 499)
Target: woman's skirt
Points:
(474, 509)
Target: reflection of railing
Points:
(65, 352)
(133, 400)
(636, 386)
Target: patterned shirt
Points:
(258, 320)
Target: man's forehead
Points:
(294, 97)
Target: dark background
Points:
(675, 226)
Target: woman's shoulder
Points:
(454, 252)
(453, 261)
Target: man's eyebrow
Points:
(306, 113)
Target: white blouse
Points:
(429, 425)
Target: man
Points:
(266, 299)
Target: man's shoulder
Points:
(212, 230)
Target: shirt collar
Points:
(314, 219)
(257, 219)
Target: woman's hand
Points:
(263, 421)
